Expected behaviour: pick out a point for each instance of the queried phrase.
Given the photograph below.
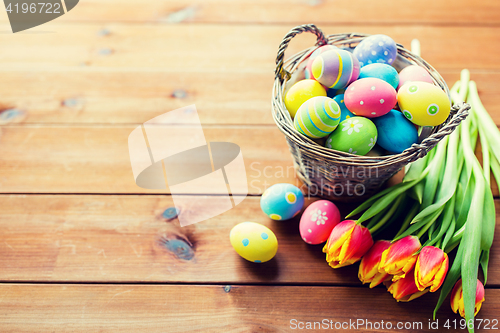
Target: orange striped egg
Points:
(317, 117)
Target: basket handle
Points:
(280, 72)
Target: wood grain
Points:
(320, 11)
(95, 159)
(75, 238)
(181, 308)
(223, 48)
(100, 96)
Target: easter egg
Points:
(380, 71)
(370, 97)
(356, 135)
(317, 52)
(423, 103)
(301, 92)
(414, 73)
(376, 49)
(282, 201)
(317, 117)
(318, 221)
(344, 112)
(335, 68)
(395, 132)
(253, 241)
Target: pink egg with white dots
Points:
(370, 97)
(318, 221)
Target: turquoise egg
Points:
(317, 117)
(344, 112)
(395, 132)
(282, 201)
(381, 71)
(355, 135)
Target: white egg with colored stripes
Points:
(317, 117)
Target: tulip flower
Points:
(405, 288)
(347, 243)
(431, 268)
(400, 257)
(368, 268)
(457, 299)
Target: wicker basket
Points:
(334, 174)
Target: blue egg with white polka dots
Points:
(384, 72)
(376, 49)
(344, 112)
(282, 201)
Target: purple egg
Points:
(335, 69)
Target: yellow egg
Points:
(301, 92)
(253, 241)
(423, 103)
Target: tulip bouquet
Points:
(443, 203)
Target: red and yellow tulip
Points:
(431, 268)
(400, 257)
(405, 288)
(347, 243)
(368, 268)
(457, 299)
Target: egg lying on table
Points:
(254, 242)
(384, 72)
(314, 55)
(356, 135)
(423, 103)
(414, 73)
(376, 49)
(301, 92)
(370, 97)
(395, 132)
(335, 69)
(282, 201)
(318, 221)
(317, 117)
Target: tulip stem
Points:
(408, 219)
(387, 216)
(425, 228)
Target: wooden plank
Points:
(223, 48)
(71, 238)
(181, 308)
(95, 159)
(246, 11)
(100, 96)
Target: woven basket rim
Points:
(284, 121)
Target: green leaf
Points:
(416, 168)
(417, 192)
(384, 201)
(451, 278)
(427, 221)
(471, 239)
(437, 165)
(485, 258)
(449, 233)
(490, 129)
(448, 215)
(370, 201)
(495, 168)
(489, 220)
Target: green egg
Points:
(355, 135)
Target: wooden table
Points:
(83, 248)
